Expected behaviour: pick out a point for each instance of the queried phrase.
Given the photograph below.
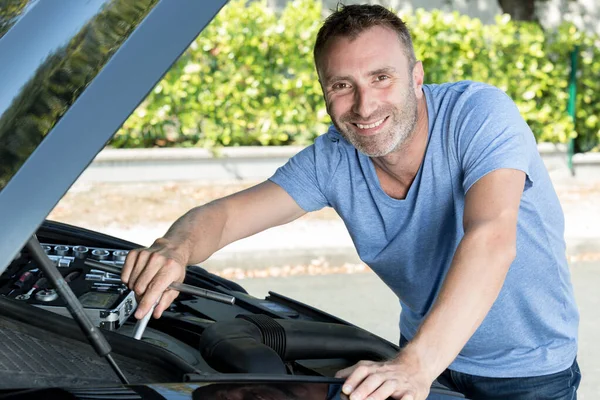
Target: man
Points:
(446, 199)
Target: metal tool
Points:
(61, 250)
(181, 287)
(64, 262)
(100, 254)
(140, 326)
(80, 251)
(108, 284)
(46, 295)
(109, 274)
(39, 283)
(19, 283)
(101, 278)
(120, 255)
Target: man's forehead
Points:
(375, 49)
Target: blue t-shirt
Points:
(474, 129)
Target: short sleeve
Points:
(306, 175)
(491, 134)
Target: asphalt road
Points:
(362, 299)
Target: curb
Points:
(255, 163)
(223, 165)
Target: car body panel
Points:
(254, 387)
(69, 142)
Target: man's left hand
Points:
(399, 378)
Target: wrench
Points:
(23, 279)
(40, 282)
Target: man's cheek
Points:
(336, 110)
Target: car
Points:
(72, 71)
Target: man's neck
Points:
(403, 163)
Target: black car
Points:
(71, 72)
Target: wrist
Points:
(181, 249)
(422, 358)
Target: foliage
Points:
(249, 78)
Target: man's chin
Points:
(373, 152)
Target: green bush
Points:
(249, 78)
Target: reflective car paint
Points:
(29, 188)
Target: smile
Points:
(371, 126)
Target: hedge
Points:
(249, 78)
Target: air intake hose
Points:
(261, 344)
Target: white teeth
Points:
(373, 125)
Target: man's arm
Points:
(473, 283)
(198, 234)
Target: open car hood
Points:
(71, 73)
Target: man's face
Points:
(369, 90)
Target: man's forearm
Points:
(198, 233)
(470, 288)
(203, 230)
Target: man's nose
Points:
(364, 103)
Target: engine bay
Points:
(43, 346)
(106, 300)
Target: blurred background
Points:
(245, 97)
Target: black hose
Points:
(248, 344)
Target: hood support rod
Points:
(94, 335)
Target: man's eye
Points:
(339, 86)
(382, 77)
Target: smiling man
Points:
(446, 199)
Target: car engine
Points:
(42, 345)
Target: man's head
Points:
(352, 20)
(370, 77)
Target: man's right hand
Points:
(150, 271)
(196, 235)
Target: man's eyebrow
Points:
(336, 78)
(385, 70)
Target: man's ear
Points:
(418, 76)
(324, 95)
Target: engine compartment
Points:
(44, 347)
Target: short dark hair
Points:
(351, 20)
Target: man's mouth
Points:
(371, 125)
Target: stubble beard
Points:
(400, 128)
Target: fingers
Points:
(129, 264)
(152, 264)
(344, 373)
(386, 390)
(355, 375)
(367, 388)
(167, 298)
(153, 291)
(149, 272)
(141, 261)
(382, 380)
